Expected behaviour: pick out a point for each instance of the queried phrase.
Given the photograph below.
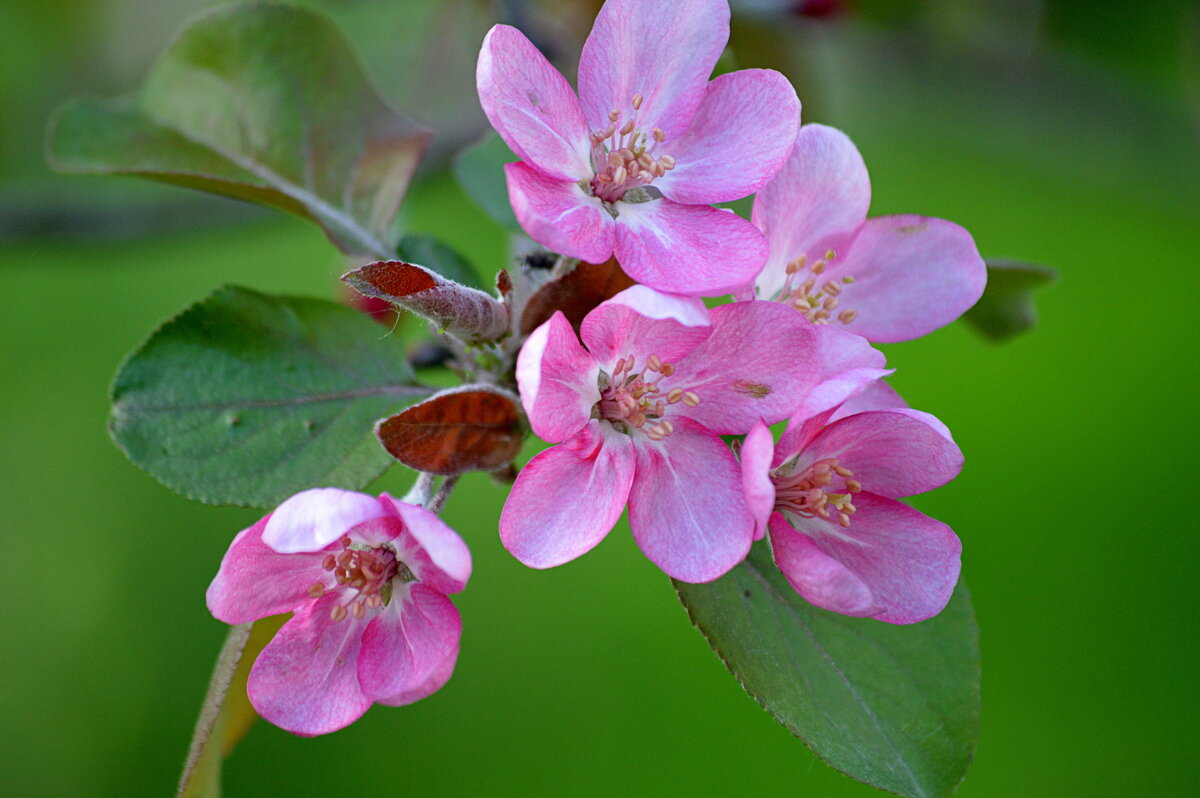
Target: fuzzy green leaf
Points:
(1006, 308)
(246, 398)
(896, 707)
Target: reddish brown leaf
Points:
(472, 428)
(575, 293)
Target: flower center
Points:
(804, 290)
(812, 492)
(364, 576)
(623, 156)
(636, 399)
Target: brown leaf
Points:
(575, 294)
(472, 428)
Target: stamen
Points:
(316, 590)
(337, 612)
(637, 102)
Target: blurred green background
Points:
(1060, 132)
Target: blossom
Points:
(828, 492)
(633, 164)
(366, 580)
(889, 278)
(638, 415)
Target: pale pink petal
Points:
(912, 275)
(693, 250)
(532, 106)
(312, 519)
(641, 322)
(759, 362)
(408, 642)
(686, 508)
(891, 453)
(876, 396)
(816, 202)
(432, 550)
(757, 450)
(560, 215)
(255, 581)
(739, 138)
(664, 51)
(849, 364)
(557, 380)
(567, 498)
(909, 561)
(822, 580)
(306, 679)
(436, 680)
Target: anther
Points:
(666, 369)
(637, 101)
(830, 254)
(854, 486)
(674, 396)
(843, 520)
(659, 136)
(654, 364)
(337, 612)
(691, 399)
(316, 590)
(843, 471)
(329, 563)
(847, 316)
(627, 128)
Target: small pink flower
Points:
(828, 491)
(366, 580)
(638, 416)
(634, 163)
(890, 278)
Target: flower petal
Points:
(816, 202)
(909, 561)
(431, 549)
(312, 519)
(557, 380)
(912, 275)
(760, 362)
(686, 508)
(559, 215)
(532, 106)
(876, 396)
(891, 453)
(641, 322)
(255, 581)
(694, 250)
(408, 642)
(816, 576)
(436, 680)
(739, 138)
(567, 498)
(757, 451)
(306, 679)
(665, 53)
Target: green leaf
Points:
(435, 254)
(479, 169)
(893, 706)
(1006, 307)
(246, 398)
(260, 102)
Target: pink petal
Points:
(756, 454)
(693, 250)
(891, 453)
(641, 322)
(817, 202)
(255, 581)
(567, 498)
(876, 396)
(408, 642)
(665, 52)
(436, 680)
(312, 519)
(909, 561)
(557, 380)
(912, 275)
(759, 362)
(306, 679)
(816, 576)
(739, 138)
(532, 106)
(848, 366)
(431, 549)
(559, 215)
(686, 508)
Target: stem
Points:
(562, 266)
(421, 490)
(214, 699)
(439, 500)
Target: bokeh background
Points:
(1060, 132)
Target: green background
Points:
(1058, 133)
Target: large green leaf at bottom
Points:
(893, 706)
(246, 398)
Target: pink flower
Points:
(891, 278)
(638, 416)
(633, 164)
(366, 580)
(828, 491)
